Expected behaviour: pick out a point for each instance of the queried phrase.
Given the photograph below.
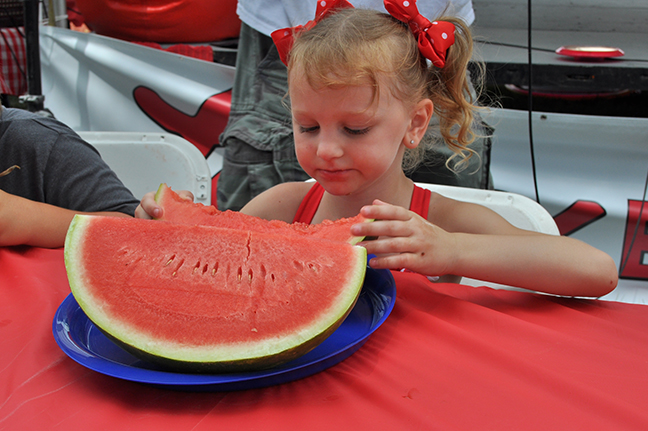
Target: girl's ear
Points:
(421, 116)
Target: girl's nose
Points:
(329, 148)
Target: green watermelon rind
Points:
(205, 359)
(254, 222)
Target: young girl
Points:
(362, 91)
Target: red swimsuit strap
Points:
(309, 204)
(420, 201)
(308, 207)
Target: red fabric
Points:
(434, 38)
(13, 61)
(420, 203)
(449, 357)
(73, 14)
(163, 21)
(310, 203)
(284, 38)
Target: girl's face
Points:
(346, 141)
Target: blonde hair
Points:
(355, 46)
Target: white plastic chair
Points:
(145, 160)
(518, 210)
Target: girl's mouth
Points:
(333, 174)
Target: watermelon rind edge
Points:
(73, 249)
(189, 363)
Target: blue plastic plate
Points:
(82, 341)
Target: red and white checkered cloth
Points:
(13, 61)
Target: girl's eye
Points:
(312, 129)
(357, 131)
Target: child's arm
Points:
(478, 243)
(26, 222)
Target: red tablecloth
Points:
(449, 357)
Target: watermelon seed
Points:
(178, 268)
(298, 265)
(250, 275)
(205, 268)
(254, 330)
(239, 274)
(170, 260)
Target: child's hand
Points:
(405, 240)
(149, 209)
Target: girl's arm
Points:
(475, 242)
(544, 263)
(26, 222)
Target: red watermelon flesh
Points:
(202, 298)
(180, 210)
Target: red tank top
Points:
(308, 207)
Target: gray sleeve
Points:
(75, 177)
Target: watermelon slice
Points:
(180, 210)
(209, 299)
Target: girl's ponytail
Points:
(454, 97)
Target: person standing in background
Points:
(258, 139)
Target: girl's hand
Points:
(405, 240)
(149, 209)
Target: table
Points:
(448, 357)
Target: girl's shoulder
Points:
(279, 202)
(457, 216)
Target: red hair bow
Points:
(434, 38)
(283, 38)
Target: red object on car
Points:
(162, 21)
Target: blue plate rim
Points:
(377, 282)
